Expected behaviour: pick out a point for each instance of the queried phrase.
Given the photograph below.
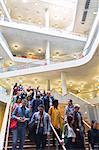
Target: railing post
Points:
(56, 144)
(48, 143)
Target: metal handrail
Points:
(86, 124)
(8, 125)
(58, 138)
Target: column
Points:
(47, 55)
(47, 44)
(48, 85)
(46, 17)
(64, 88)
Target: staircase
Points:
(87, 109)
(31, 145)
(86, 141)
(28, 144)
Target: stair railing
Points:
(58, 139)
(8, 123)
(85, 123)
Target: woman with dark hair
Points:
(69, 134)
(93, 136)
(15, 89)
(18, 103)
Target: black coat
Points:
(93, 136)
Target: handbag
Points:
(13, 123)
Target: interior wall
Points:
(2, 111)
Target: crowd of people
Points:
(33, 111)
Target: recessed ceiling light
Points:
(59, 83)
(82, 85)
(39, 50)
(16, 47)
(19, 17)
(20, 81)
(95, 13)
(98, 80)
(30, 54)
(29, 19)
(79, 90)
(7, 81)
(57, 54)
(1, 57)
(35, 4)
(24, 1)
(56, 25)
(85, 112)
(39, 22)
(10, 64)
(75, 56)
(71, 84)
(97, 87)
(35, 81)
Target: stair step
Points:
(29, 147)
(27, 142)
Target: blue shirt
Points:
(35, 105)
(21, 112)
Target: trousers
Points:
(18, 133)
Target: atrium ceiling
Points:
(74, 17)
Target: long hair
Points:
(69, 119)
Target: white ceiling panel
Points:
(31, 42)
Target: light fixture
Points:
(24, 1)
(91, 96)
(98, 80)
(7, 81)
(75, 56)
(29, 19)
(20, 81)
(10, 64)
(16, 46)
(39, 51)
(82, 85)
(19, 17)
(85, 112)
(59, 83)
(79, 90)
(35, 81)
(97, 87)
(71, 84)
(56, 25)
(39, 22)
(35, 4)
(94, 13)
(30, 53)
(1, 57)
(57, 54)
